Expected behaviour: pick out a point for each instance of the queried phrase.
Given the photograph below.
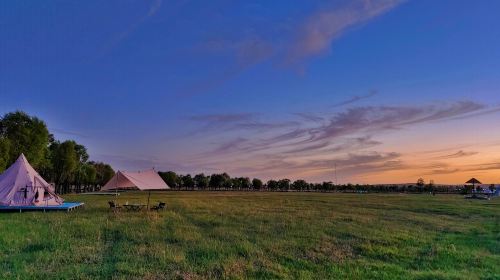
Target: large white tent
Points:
(21, 185)
(142, 180)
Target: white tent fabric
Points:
(21, 185)
(142, 180)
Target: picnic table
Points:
(134, 207)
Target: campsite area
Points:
(260, 235)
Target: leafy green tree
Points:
(187, 181)
(171, 178)
(217, 181)
(257, 184)
(65, 163)
(300, 185)
(245, 183)
(272, 185)
(284, 184)
(234, 183)
(85, 177)
(227, 183)
(81, 152)
(104, 173)
(4, 153)
(25, 134)
(201, 181)
(327, 186)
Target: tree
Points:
(245, 183)
(201, 181)
(171, 178)
(235, 183)
(104, 173)
(227, 183)
(327, 186)
(65, 163)
(420, 184)
(300, 185)
(85, 176)
(81, 152)
(187, 181)
(4, 153)
(284, 184)
(272, 185)
(217, 181)
(25, 134)
(257, 184)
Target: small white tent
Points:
(21, 185)
(142, 180)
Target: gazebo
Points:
(475, 194)
(474, 182)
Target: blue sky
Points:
(263, 88)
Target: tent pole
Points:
(116, 187)
(149, 195)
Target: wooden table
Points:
(134, 207)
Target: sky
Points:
(382, 91)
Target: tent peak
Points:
(23, 160)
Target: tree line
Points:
(65, 163)
(224, 182)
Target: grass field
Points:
(258, 235)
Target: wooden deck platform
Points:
(66, 206)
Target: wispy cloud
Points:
(318, 32)
(330, 147)
(68, 132)
(359, 120)
(154, 7)
(355, 99)
(380, 118)
(349, 164)
(310, 117)
(246, 52)
(485, 166)
(458, 154)
(222, 118)
(443, 171)
(238, 121)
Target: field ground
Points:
(258, 235)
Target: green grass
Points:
(258, 235)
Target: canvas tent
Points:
(21, 185)
(142, 180)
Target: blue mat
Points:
(66, 206)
